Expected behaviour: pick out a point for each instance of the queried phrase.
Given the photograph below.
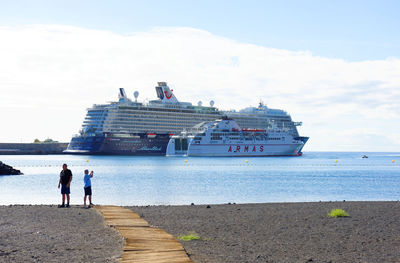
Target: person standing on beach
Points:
(88, 187)
(65, 182)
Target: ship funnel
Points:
(122, 94)
(165, 94)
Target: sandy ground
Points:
(51, 234)
(287, 232)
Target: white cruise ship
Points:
(129, 127)
(224, 137)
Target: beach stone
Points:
(8, 170)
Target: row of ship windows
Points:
(95, 118)
(142, 123)
(159, 114)
(168, 120)
(157, 121)
(171, 108)
(180, 117)
(158, 127)
(115, 121)
(97, 113)
(160, 124)
(157, 109)
(153, 122)
(149, 125)
(192, 120)
(265, 121)
(260, 138)
(177, 118)
(144, 126)
(174, 131)
(153, 116)
(220, 134)
(180, 111)
(189, 123)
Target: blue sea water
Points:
(145, 180)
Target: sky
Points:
(334, 65)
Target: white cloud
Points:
(49, 75)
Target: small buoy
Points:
(87, 160)
(335, 161)
(247, 161)
(392, 161)
(185, 161)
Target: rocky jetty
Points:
(8, 170)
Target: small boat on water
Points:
(224, 137)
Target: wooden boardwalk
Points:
(143, 243)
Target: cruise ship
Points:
(129, 127)
(225, 138)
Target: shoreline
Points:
(255, 232)
(52, 205)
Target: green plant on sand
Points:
(189, 237)
(338, 213)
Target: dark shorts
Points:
(88, 190)
(64, 189)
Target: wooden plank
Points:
(127, 222)
(153, 245)
(167, 257)
(143, 243)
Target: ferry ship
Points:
(224, 137)
(128, 127)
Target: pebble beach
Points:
(51, 234)
(284, 232)
(271, 232)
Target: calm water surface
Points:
(123, 180)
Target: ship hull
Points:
(111, 145)
(244, 150)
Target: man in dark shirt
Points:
(65, 181)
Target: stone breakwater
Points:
(8, 170)
(32, 148)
